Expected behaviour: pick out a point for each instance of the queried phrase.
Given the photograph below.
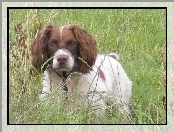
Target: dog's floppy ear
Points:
(87, 47)
(38, 49)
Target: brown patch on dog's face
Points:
(68, 39)
(62, 36)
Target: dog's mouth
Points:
(62, 69)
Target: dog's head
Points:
(69, 47)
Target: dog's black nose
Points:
(62, 59)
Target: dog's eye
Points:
(52, 44)
(72, 44)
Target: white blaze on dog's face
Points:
(63, 60)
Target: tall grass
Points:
(139, 37)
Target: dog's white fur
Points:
(107, 82)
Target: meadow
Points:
(137, 35)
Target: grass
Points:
(139, 37)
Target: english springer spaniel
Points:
(67, 55)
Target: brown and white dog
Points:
(68, 57)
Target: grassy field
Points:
(139, 37)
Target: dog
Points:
(67, 56)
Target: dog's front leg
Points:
(46, 85)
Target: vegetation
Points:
(138, 36)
